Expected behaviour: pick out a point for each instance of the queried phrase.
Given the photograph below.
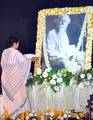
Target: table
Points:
(72, 97)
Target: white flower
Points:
(87, 83)
(59, 80)
(33, 118)
(39, 71)
(51, 113)
(81, 85)
(73, 82)
(35, 114)
(31, 114)
(82, 76)
(65, 115)
(27, 117)
(48, 69)
(56, 88)
(92, 83)
(54, 76)
(89, 76)
(45, 74)
(47, 113)
(52, 82)
(59, 74)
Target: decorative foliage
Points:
(51, 77)
(58, 78)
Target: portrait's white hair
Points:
(63, 17)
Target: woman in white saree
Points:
(15, 70)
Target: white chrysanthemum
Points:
(45, 74)
(82, 76)
(59, 80)
(54, 76)
(89, 76)
(81, 85)
(52, 82)
(39, 71)
(56, 88)
(48, 69)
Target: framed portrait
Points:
(64, 38)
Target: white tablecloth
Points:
(42, 99)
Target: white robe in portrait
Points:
(15, 70)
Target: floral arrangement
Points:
(72, 114)
(57, 78)
(52, 114)
(51, 77)
(29, 116)
(84, 78)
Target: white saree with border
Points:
(15, 70)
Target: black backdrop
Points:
(19, 18)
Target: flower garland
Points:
(52, 114)
(57, 11)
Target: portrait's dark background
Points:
(19, 18)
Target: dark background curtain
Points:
(19, 18)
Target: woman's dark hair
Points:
(13, 40)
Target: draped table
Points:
(72, 97)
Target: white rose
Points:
(52, 82)
(89, 76)
(39, 71)
(54, 76)
(59, 80)
(82, 76)
(56, 88)
(45, 74)
(48, 69)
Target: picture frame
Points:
(81, 19)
